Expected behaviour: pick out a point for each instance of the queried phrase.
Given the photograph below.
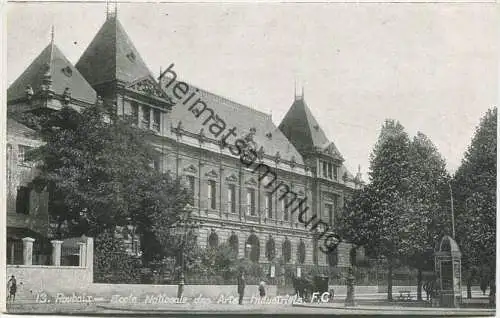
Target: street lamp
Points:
(452, 212)
(184, 223)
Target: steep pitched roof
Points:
(244, 118)
(111, 56)
(63, 75)
(301, 128)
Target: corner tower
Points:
(49, 82)
(116, 70)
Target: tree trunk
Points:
(419, 284)
(469, 288)
(389, 280)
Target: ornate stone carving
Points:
(277, 157)
(260, 153)
(232, 178)
(251, 182)
(67, 95)
(211, 174)
(29, 92)
(148, 87)
(190, 169)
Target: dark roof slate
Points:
(63, 75)
(244, 118)
(303, 130)
(112, 56)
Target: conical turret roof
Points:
(301, 128)
(51, 64)
(111, 56)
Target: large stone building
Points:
(235, 206)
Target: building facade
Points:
(232, 200)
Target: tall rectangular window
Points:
(284, 204)
(212, 195)
(231, 198)
(269, 205)
(145, 119)
(330, 213)
(191, 181)
(21, 153)
(330, 171)
(251, 201)
(23, 200)
(335, 173)
(325, 173)
(135, 112)
(156, 119)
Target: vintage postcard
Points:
(189, 158)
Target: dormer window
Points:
(131, 56)
(67, 71)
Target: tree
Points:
(374, 216)
(99, 170)
(427, 219)
(474, 187)
(111, 262)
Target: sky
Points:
(431, 66)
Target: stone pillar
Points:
(82, 257)
(90, 257)
(56, 252)
(28, 250)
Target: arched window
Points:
(287, 251)
(213, 240)
(233, 243)
(252, 248)
(301, 252)
(270, 249)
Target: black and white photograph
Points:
(249, 158)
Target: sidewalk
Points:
(401, 310)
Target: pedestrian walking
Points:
(262, 289)
(12, 287)
(331, 294)
(241, 288)
(483, 285)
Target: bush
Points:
(111, 262)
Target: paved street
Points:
(364, 307)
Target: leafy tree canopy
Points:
(100, 172)
(475, 187)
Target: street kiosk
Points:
(448, 272)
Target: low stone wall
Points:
(51, 280)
